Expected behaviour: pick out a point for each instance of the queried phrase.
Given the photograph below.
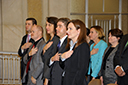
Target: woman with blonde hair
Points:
(49, 49)
(96, 50)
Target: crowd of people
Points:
(73, 54)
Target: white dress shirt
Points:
(61, 42)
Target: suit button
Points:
(107, 66)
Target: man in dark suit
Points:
(33, 58)
(26, 42)
(56, 71)
(121, 61)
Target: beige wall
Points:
(59, 8)
(13, 21)
(14, 13)
(95, 6)
(125, 17)
(79, 7)
(40, 9)
(35, 10)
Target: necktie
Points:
(28, 63)
(58, 45)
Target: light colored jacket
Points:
(36, 65)
(96, 59)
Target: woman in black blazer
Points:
(107, 71)
(75, 61)
(48, 50)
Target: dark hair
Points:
(100, 31)
(82, 37)
(64, 20)
(88, 31)
(33, 20)
(116, 32)
(52, 20)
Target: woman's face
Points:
(72, 32)
(93, 34)
(49, 28)
(112, 39)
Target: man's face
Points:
(35, 32)
(61, 29)
(28, 25)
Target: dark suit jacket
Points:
(121, 59)
(51, 51)
(56, 70)
(22, 54)
(22, 43)
(76, 66)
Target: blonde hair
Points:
(100, 31)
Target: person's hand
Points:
(67, 54)
(33, 51)
(123, 74)
(101, 79)
(47, 46)
(26, 45)
(33, 80)
(55, 57)
(116, 82)
(94, 51)
(46, 81)
(119, 71)
(93, 78)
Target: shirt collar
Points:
(35, 43)
(62, 40)
(72, 44)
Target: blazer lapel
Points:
(114, 50)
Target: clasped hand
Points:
(47, 46)
(26, 45)
(94, 51)
(33, 80)
(65, 55)
(119, 71)
(55, 57)
(33, 51)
